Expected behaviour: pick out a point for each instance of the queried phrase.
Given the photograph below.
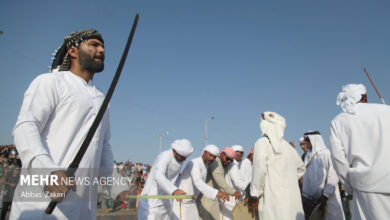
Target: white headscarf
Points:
(238, 148)
(212, 149)
(349, 96)
(273, 125)
(182, 147)
(317, 143)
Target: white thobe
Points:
(360, 152)
(275, 179)
(192, 181)
(57, 111)
(246, 171)
(160, 181)
(233, 178)
(321, 179)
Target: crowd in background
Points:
(10, 165)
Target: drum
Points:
(240, 212)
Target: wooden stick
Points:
(180, 210)
(377, 92)
(223, 209)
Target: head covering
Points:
(229, 152)
(301, 139)
(61, 60)
(212, 149)
(252, 151)
(272, 125)
(316, 141)
(182, 147)
(238, 148)
(349, 96)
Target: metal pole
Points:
(160, 142)
(205, 129)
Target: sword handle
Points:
(50, 208)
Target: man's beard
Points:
(89, 63)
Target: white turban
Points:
(351, 94)
(212, 149)
(273, 125)
(238, 148)
(182, 147)
(301, 139)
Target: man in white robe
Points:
(239, 154)
(193, 181)
(276, 170)
(57, 111)
(235, 180)
(161, 181)
(247, 168)
(320, 182)
(210, 209)
(360, 140)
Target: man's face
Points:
(250, 157)
(226, 161)
(91, 55)
(303, 146)
(208, 158)
(307, 143)
(239, 155)
(178, 157)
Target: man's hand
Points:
(59, 188)
(179, 192)
(237, 195)
(323, 199)
(122, 196)
(222, 195)
(253, 204)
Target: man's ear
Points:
(73, 52)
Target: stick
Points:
(180, 210)
(377, 92)
(160, 197)
(84, 146)
(223, 209)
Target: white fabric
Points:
(192, 181)
(367, 206)
(238, 148)
(275, 179)
(321, 179)
(360, 151)
(160, 181)
(246, 171)
(212, 149)
(57, 112)
(234, 180)
(182, 147)
(273, 126)
(349, 96)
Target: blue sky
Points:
(193, 60)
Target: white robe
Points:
(321, 179)
(57, 112)
(275, 179)
(233, 178)
(160, 181)
(246, 171)
(360, 152)
(193, 181)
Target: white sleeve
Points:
(236, 178)
(339, 156)
(331, 179)
(40, 101)
(200, 184)
(259, 168)
(159, 175)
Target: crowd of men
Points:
(274, 182)
(58, 110)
